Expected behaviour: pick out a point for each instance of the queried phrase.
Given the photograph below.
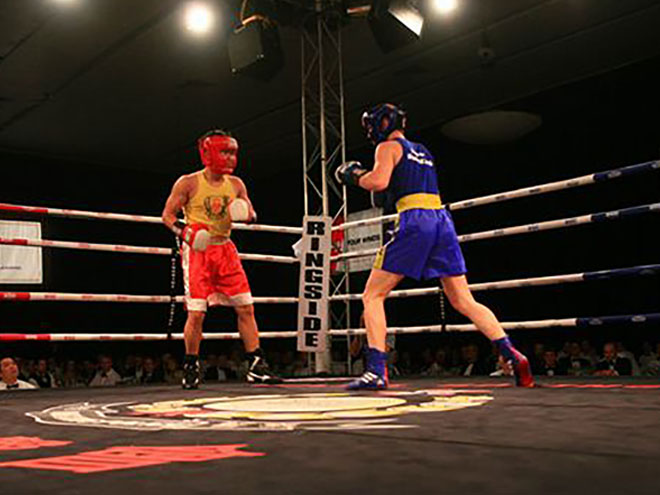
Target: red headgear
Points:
(218, 153)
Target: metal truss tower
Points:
(323, 135)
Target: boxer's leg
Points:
(459, 295)
(247, 327)
(379, 285)
(196, 287)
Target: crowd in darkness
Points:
(573, 358)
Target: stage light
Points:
(199, 18)
(444, 6)
(395, 23)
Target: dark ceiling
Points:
(118, 82)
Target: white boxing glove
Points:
(196, 236)
(239, 210)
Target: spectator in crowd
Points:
(392, 362)
(70, 377)
(550, 365)
(9, 375)
(220, 369)
(300, 367)
(613, 364)
(42, 377)
(106, 376)
(589, 352)
(439, 365)
(622, 352)
(24, 370)
(649, 361)
(149, 372)
(87, 371)
(356, 348)
(405, 363)
(173, 374)
(289, 356)
(575, 363)
(536, 359)
(471, 365)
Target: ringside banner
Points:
(363, 238)
(20, 264)
(314, 284)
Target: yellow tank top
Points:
(210, 206)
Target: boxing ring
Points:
(309, 435)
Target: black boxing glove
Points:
(349, 173)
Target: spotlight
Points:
(395, 23)
(198, 18)
(444, 6)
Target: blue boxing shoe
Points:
(375, 377)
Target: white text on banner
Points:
(314, 284)
(20, 264)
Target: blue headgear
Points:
(373, 121)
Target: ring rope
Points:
(59, 212)
(532, 227)
(525, 192)
(119, 298)
(637, 319)
(131, 249)
(641, 270)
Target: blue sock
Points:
(376, 361)
(506, 348)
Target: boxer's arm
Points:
(387, 156)
(241, 192)
(175, 202)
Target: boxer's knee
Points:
(195, 320)
(463, 302)
(246, 311)
(373, 295)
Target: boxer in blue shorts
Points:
(423, 245)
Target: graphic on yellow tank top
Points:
(210, 206)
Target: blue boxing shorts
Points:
(423, 245)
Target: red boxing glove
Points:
(196, 236)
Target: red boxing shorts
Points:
(214, 277)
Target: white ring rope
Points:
(132, 249)
(134, 218)
(118, 298)
(532, 227)
(514, 325)
(642, 270)
(524, 192)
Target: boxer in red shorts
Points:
(210, 199)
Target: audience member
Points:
(575, 363)
(149, 372)
(9, 375)
(42, 377)
(550, 365)
(612, 364)
(106, 376)
(622, 352)
(471, 365)
(649, 362)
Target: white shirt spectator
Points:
(19, 385)
(9, 376)
(105, 379)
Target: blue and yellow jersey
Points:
(414, 183)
